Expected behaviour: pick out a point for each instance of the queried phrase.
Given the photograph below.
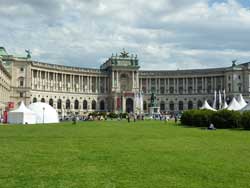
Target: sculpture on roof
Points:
(124, 53)
(28, 54)
(234, 63)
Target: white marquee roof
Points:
(234, 105)
(44, 112)
(225, 105)
(22, 108)
(207, 106)
(241, 101)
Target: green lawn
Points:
(116, 154)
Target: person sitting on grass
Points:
(211, 127)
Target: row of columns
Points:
(69, 82)
(203, 85)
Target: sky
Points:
(165, 34)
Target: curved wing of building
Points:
(121, 86)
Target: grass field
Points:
(116, 154)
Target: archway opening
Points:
(129, 105)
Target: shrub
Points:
(226, 119)
(245, 120)
(113, 115)
(198, 118)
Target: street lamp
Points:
(43, 114)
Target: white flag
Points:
(214, 104)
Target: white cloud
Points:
(165, 33)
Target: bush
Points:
(123, 115)
(226, 119)
(198, 118)
(245, 120)
(113, 115)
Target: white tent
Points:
(234, 105)
(206, 106)
(224, 106)
(44, 113)
(241, 101)
(246, 108)
(22, 115)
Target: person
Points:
(175, 119)
(74, 119)
(128, 118)
(211, 127)
(134, 117)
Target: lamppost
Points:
(43, 114)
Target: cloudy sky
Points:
(166, 34)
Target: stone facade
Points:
(5, 91)
(114, 86)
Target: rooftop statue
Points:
(124, 53)
(28, 54)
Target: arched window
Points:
(144, 105)
(42, 100)
(76, 106)
(51, 102)
(180, 105)
(102, 105)
(93, 105)
(67, 104)
(85, 105)
(199, 104)
(162, 106)
(171, 106)
(59, 104)
(34, 99)
(190, 105)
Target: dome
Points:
(44, 112)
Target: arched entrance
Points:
(129, 105)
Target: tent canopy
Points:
(44, 112)
(22, 115)
(207, 106)
(234, 105)
(241, 101)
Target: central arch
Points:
(129, 105)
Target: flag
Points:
(220, 100)
(214, 104)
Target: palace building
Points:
(114, 86)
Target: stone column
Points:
(117, 79)
(133, 80)
(113, 79)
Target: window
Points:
(21, 69)
(76, 105)
(162, 106)
(190, 105)
(102, 105)
(144, 105)
(59, 104)
(85, 105)
(180, 105)
(34, 99)
(51, 102)
(67, 104)
(21, 94)
(21, 83)
(93, 106)
(171, 106)
(162, 90)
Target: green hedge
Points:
(221, 119)
(199, 118)
(245, 120)
(226, 119)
